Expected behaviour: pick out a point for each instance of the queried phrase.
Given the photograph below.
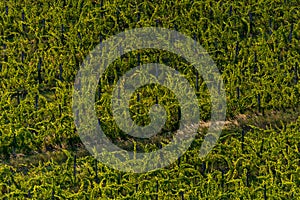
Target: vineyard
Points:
(254, 44)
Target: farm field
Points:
(254, 44)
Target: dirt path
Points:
(271, 119)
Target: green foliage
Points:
(255, 45)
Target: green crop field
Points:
(254, 44)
